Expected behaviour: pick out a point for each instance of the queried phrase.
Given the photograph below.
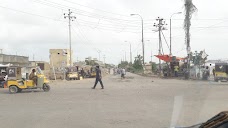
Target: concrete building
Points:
(14, 59)
(42, 64)
(60, 58)
(148, 69)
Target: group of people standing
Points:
(120, 71)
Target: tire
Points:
(46, 88)
(13, 89)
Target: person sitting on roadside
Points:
(33, 76)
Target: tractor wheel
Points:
(46, 88)
(13, 89)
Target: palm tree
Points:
(190, 8)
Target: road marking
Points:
(177, 106)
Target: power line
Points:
(210, 26)
(32, 14)
(165, 40)
(95, 8)
(37, 15)
(81, 12)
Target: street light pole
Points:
(142, 37)
(99, 54)
(170, 22)
(130, 52)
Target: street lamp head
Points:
(179, 12)
(132, 14)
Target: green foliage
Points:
(154, 67)
(138, 63)
(136, 67)
(123, 64)
(190, 8)
(91, 62)
(197, 59)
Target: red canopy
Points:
(168, 58)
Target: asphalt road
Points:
(135, 102)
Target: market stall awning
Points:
(168, 58)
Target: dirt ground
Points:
(135, 102)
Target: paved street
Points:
(135, 102)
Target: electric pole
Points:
(99, 52)
(160, 27)
(125, 56)
(104, 60)
(170, 36)
(70, 18)
(130, 54)
(130, 60)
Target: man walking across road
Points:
(98, 78)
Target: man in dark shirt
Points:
(98, 78)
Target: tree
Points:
(123, 64)
(197, 58)
(154, 67)
(190, 8)
(138, 63)
(91, 62)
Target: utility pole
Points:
(170, 25)
(125, 56)
(70, 18)
(104, 60)
(130, 54)
(142, 39)
(160, 27)
(99, 52)
(130, 60)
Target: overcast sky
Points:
(34, 26)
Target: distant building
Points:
(147, 68)
(42, 64)
(80, 63)
(60, 58)
(14, 59)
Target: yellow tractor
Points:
(72, 73)
(221, 72)
(16, 83)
